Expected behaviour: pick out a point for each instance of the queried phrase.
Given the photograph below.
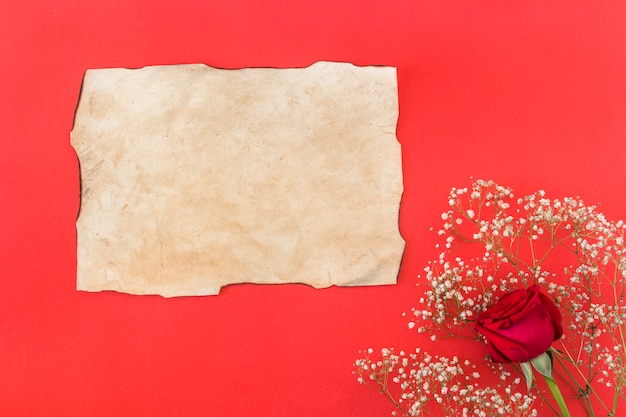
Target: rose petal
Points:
(520, 326)
(504, 350)
(554, 312)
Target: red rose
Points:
(520, 326)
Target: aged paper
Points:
(193, 178)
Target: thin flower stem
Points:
(615, 402)
(587, 384)
(616, 301)
(587, 400)
(385, 391)
(552, 247)
(532, 252)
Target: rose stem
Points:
(556, 393)
(584, 396)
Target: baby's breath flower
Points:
(573, 252)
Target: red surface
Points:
(529, 93)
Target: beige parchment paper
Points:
(193, 178)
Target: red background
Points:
(531, 94)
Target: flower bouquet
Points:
(537, 288)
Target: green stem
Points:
(556, 393)
(583, 394)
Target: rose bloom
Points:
(520, 326)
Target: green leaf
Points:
(528, 374)
(543, 364)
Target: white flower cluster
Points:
(420, 378)
(495, 243)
